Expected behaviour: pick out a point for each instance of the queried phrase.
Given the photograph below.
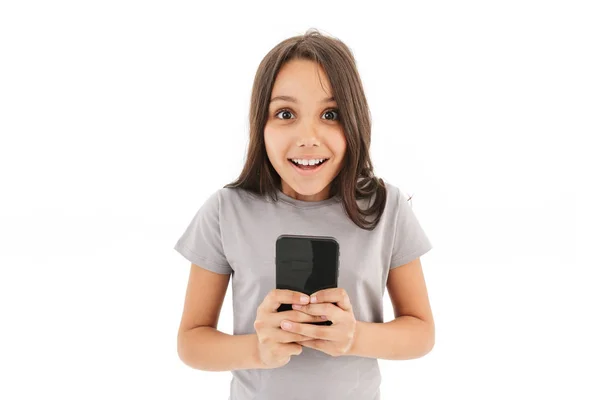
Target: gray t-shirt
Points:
(234, 232)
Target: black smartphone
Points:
(306, 264)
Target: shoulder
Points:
(226, 198)
(214, 200)
(386, 196)
(393, 194)
(397, 201)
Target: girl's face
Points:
(303, 124)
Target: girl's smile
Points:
(305, 167)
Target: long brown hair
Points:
(356, 180)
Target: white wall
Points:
(119, 118)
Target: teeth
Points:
(308, 162)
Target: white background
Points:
(119, 118)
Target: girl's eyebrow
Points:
(294, 100)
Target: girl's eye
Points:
(333, 111)
(286, 112)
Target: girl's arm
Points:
(412, 333)
(403, 338)
(208, 349)
(199, 344)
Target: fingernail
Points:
(313, 299)
(323, 317)
(286, 325)
(296, 306)
(304, 299)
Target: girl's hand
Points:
(336, 339)
(275, 346)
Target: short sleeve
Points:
(410, 240)
(201, 242)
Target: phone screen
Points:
(306, 264)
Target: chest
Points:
(249, 246)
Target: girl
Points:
(307, 172)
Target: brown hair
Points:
(356, 179)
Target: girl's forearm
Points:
(208, 349)
(403, 338)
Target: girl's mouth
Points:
(308, 169)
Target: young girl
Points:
(307, 172)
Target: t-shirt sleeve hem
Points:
(405, 259)
(203, 262)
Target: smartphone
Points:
(306, 264)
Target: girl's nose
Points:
(308, 136)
